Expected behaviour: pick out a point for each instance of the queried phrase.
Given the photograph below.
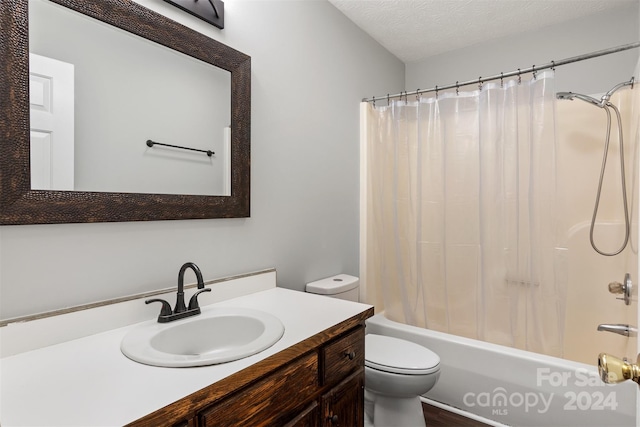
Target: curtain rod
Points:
(518, 72)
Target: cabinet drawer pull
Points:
(334, 419)
(351, 355)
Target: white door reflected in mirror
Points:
(51, 105)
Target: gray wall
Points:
(311, 66)
(608, 29)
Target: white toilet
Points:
(396, 371)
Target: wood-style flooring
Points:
(436, 417)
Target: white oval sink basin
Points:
(218, 335)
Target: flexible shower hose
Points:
(623, 182)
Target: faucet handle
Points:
(622, 289)
(616, 288)
(193, 302)
(166, 307)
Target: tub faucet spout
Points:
(619, 328)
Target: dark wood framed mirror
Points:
(19, 204)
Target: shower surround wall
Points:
(581, 132)
(310, 68)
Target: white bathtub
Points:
(515, 387)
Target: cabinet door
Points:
(309, 417)
(343, 405)
(269, 400)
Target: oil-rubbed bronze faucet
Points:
(181, 310)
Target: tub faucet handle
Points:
(623, 289)
(616, 288)
(613, 370)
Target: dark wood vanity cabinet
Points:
(330, 377)
(316, 383)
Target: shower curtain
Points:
(464, 223)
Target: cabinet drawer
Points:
(269, 400)
(342, 356)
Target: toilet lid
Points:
(399, 356)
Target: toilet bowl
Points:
(397, 372)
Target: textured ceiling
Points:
(416, 29)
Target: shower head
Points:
(565, 95)
(571, 96)
(602, 102)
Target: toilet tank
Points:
(341, 286)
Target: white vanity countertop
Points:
(89, 382)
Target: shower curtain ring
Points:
(387, 99)
(457, 88)
(501, 79)
(374, 102)
(480, 83)
(418, 94)
(633, 82)
(436, 91)
(553, 65)
(534, 71)
(519, 77)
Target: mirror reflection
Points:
(98, 94)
